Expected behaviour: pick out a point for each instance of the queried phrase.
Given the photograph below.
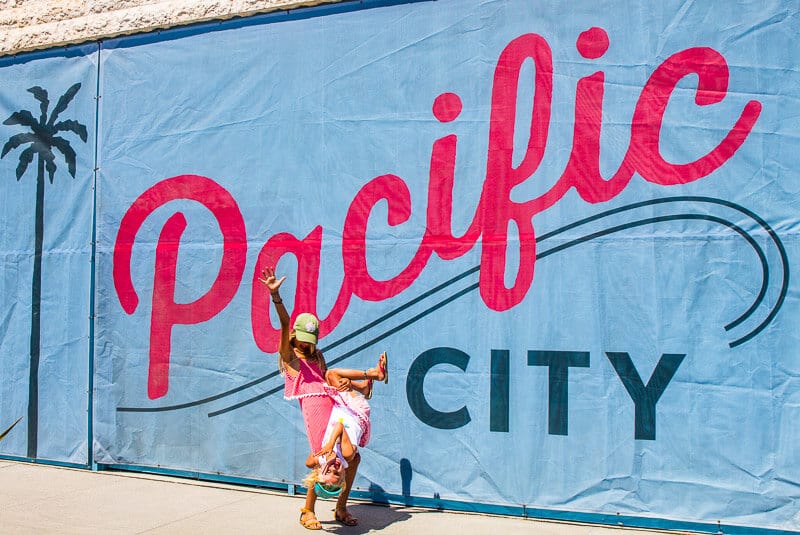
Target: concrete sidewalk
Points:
(46, 499)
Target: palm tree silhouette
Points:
(42, 139)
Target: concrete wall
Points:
(38, 24)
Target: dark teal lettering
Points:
(558, 363)
(645, 397)
(416, 395)
(498, 395)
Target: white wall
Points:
(38, 24)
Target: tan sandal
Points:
(346, 518)
(310, 522)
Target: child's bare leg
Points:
(348, 373)
(363, 375)
(362, 387)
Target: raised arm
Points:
(311, 461)
(273, 284)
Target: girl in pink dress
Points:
(304, 369)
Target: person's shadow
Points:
(379, 514)
(370, 517)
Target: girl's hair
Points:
(317, 355)
(313, 477)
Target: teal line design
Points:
(7, 431)
(324, 349)
(659, 219)
(374, 340)
(360, 348)
(711, 200)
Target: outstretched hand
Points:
(269, 280)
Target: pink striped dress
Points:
(315, 396)
(360, 409)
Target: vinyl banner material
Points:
(571, 225)
(47, 105)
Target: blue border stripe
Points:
(46, 462)
(198, 476)
(71, 51)
(379, 497)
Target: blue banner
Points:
(571, 226)
(47, 104)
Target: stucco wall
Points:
(38, 24)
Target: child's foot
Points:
(383, 368)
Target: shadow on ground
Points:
(371, 517)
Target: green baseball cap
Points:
(327, 491)
(306, 328)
